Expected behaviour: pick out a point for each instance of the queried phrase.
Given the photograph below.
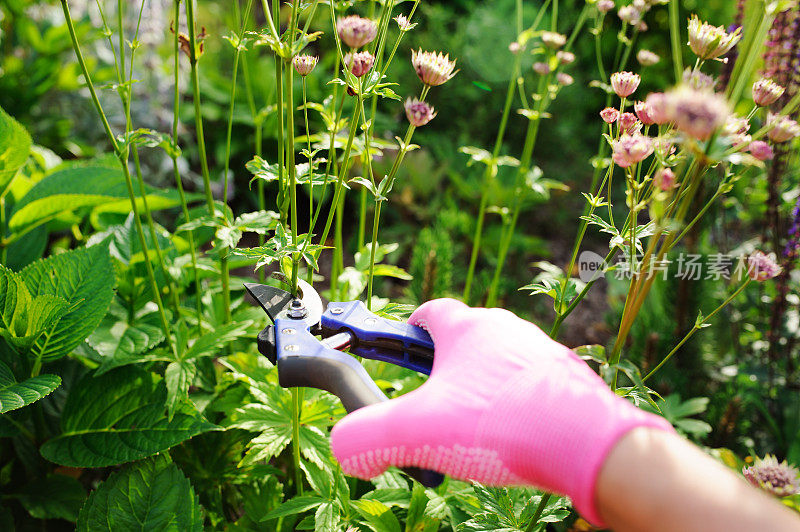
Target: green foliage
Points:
(511, 510)
(431, 265)
(151, 494)
(119, 417)
(15, 145)
(14, 395)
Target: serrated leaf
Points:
(14, 395)
(53, 497)
(119, 417)
(15, 146)
(149, 495)
(377, 516)
(120, 342)
(85, 279)
(297, 505)
(210, 343)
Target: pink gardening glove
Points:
(504, 405)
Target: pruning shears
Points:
(303, 360)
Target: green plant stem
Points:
(176, 171)
(538, 513)
(3, 247)
(290, 163)
(675, 39)
(697, 326)
(122, 156)
(296, 412)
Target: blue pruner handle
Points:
(377, 338)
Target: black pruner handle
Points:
(304, 362)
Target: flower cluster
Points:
(433, 68)
(777, 478)
(711, 42)
(631, 149)
(763, 267)
(697, 113)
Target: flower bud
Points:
(762, 267)
(625, 83)
(631, 149)
(541, 68)
(609, 115)
(433, 68)
(664, 179)
(553, 40)
(783, 129)
(647, 58)
(604, 6)
(643, 112)
(629, 14)
(761, 150)
(359, 63)
(565, 58)
(766, 92)
(627, 121)
(564, 79)
(304, 64)
(418, 112)
(356, 31)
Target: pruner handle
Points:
(304, 362)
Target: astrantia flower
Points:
(564, 79)
(736, 129)
(625, 83)
(664, 179)
(629, 14)
(761, 150)
(766, 92)
(565, 58)
(304, 64)
(647, 58)
(609, 115)
(657, 108)
(419, 113)
(433, 68)
(631, 149)
(711, 42)
(698, 80)
(643, 112)
(403, 23)
(777, 478)
(356, 31)
(627, 122)
(604, 6)
(541, 68)
(696, 113)
(664, 146)
(553, 40)
(783, 128)
(762, 267)
(359, 63)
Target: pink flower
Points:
(403, 23)
(647, 58)
(553, 40)
(564, 79)
(761, 150)
(356, 31)
(514, 47)
(565, 58)
(609, 115)
(664, 179)
(664, 147)
(777, 478)
(762, 267)
(433, 68)
(783, 129)
(629, 14)
(711, 42)
(419, 113)
(631, 149)
(304, 64)
(656, 105)
(604, 6)
(627, 121)
(359, 63)
(698, 80)
(766, 92)
(625, 83)
(644, 113)
(697, 113)
(541, 68)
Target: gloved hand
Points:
(504, 405)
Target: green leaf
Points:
(120, 342)
(15, 146)
(149, 495)
(119, 417)
(297, 505)
(210, 344)
(14, 395)
(54, 497)
(85, 279)
(377, 515)
(22, 318)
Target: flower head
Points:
(609, 115)
(433, 68)
(553, 40)
(783, 129)
(761, 150)
(694, 112)
(647, 58)
(541, 68)
(356, 31)
(664, 179)
(564, 79)
(656, 104)
(304, 64)
(419, 113)
(644, 113)
(604, 6)
(629, 14)
(711, 42)
(625, 83)
(762, 267)
(631, 149)
(698, 80)
(514, 47)
(766, 92)
(403, 23)
(565, 58)
(736, 129)
(359, 63)
(777, 478)
(628, 122)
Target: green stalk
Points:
(538, 513)
(122, 156)
(291, 169)
(675, 39)
(3, 247)
(697, 327)
(296, 410)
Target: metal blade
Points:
(272, 300)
